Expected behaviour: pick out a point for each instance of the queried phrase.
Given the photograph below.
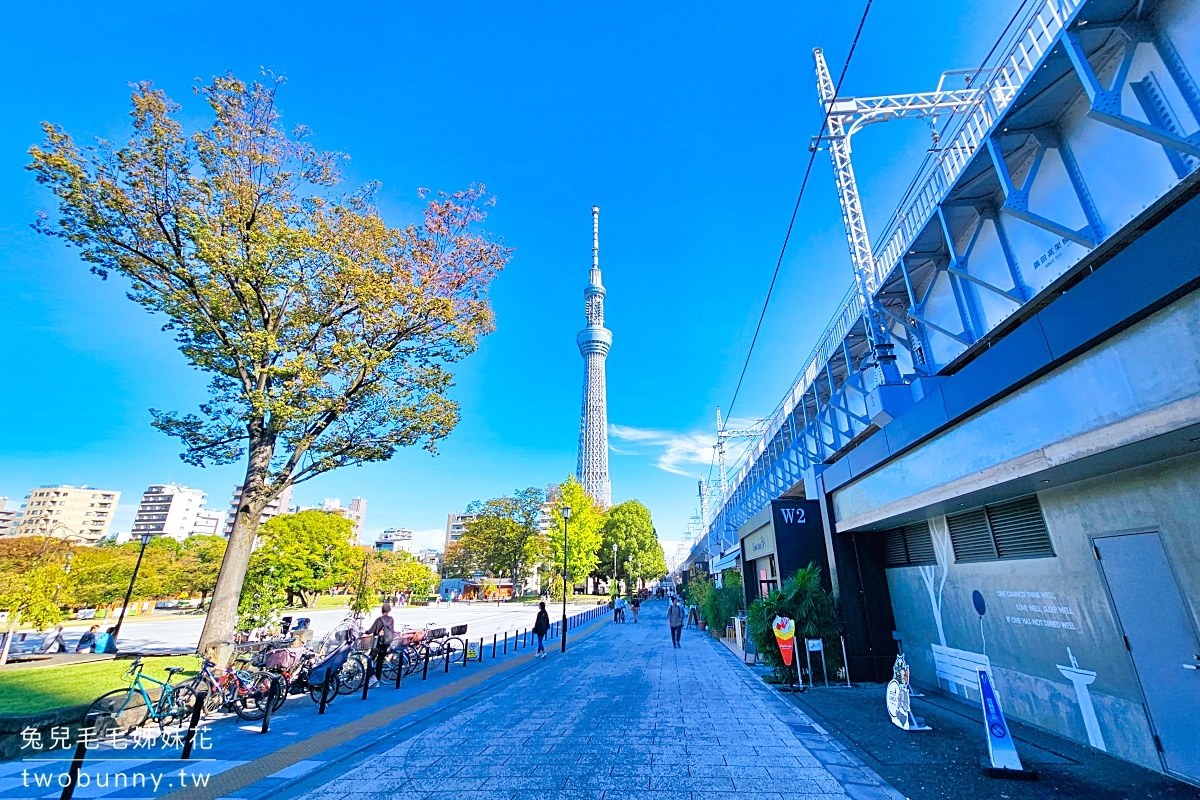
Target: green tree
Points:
(583, 533)
(310, 551)
(505, 539)
(326, 333)
(458, 562)
(262, 599)
(200, 563)
(629, 526)
(100, 575)
(401, 572)
(31, 574)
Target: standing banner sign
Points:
(899, 703)
(1001, 750)
(785, 635)
(816, 646)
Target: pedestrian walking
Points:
(675, 620)
(619, 609)
(636, 605)
(88, 640)
(382, 630)
(541, 626)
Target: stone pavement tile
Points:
(696, 795)
(859, 791)
(624, 795)
(537, 794)
(607, 782)
(692, 782)
(712, 770)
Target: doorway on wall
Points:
(1162, 641)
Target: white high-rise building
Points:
(8, 518)
(456, 526)
(594, 342)
(280, 505)
(394, 539)
(209, 522)
(168, 509)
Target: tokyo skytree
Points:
(594, 342)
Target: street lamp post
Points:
(566, 515)
(146, 537)
(614, 575)
(629, 577)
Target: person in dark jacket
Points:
(383, 629)
(87, 642)
(541, 626)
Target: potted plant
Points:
(802, 599)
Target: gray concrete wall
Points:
(1142, 383)
(1024, 647)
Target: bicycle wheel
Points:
(116, 713)
(457, 649)
(314, 692)
(175, 707)
(251, 702)
(352, 674)
(393, 664)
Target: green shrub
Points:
(725, 602)
(801, 599)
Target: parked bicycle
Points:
(122, 710)
(242, 690)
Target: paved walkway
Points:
(622, 715)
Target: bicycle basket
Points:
(281, 660)
(458, 630)
(436, 633)
(364, 643)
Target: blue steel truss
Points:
(927, 247)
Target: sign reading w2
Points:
(792, 515)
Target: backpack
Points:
(383, 637)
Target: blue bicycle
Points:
(120, 711)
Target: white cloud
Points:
(674, 450)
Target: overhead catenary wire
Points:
(796, 208)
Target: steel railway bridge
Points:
(1006, 404)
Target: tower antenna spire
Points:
(594, 342)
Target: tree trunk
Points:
(221, 621)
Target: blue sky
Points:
(688, 124)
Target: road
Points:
(180, 632)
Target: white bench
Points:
(959, 668)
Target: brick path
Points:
(622, 715)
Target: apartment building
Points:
(8, 518)
(209, 522)
(356, 512)
(395, 539)
(171, 510)
(78, 513)
(456, 526)
(280, 505)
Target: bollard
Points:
(399, 667)
(506, 643)
(370, 671)
(325, 692)
(493, 645)
(525, 642)
(480, 649)
(272, 696)
(425, 667)
(73, 773)
(190, 737)
(446, 658)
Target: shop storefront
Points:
(777, 541)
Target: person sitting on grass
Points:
(88, 640)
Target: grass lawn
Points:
(324, 601)
(27, 691)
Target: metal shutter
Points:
(971, 536)
(1019, 529)
(894, 554)
(919, 544)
